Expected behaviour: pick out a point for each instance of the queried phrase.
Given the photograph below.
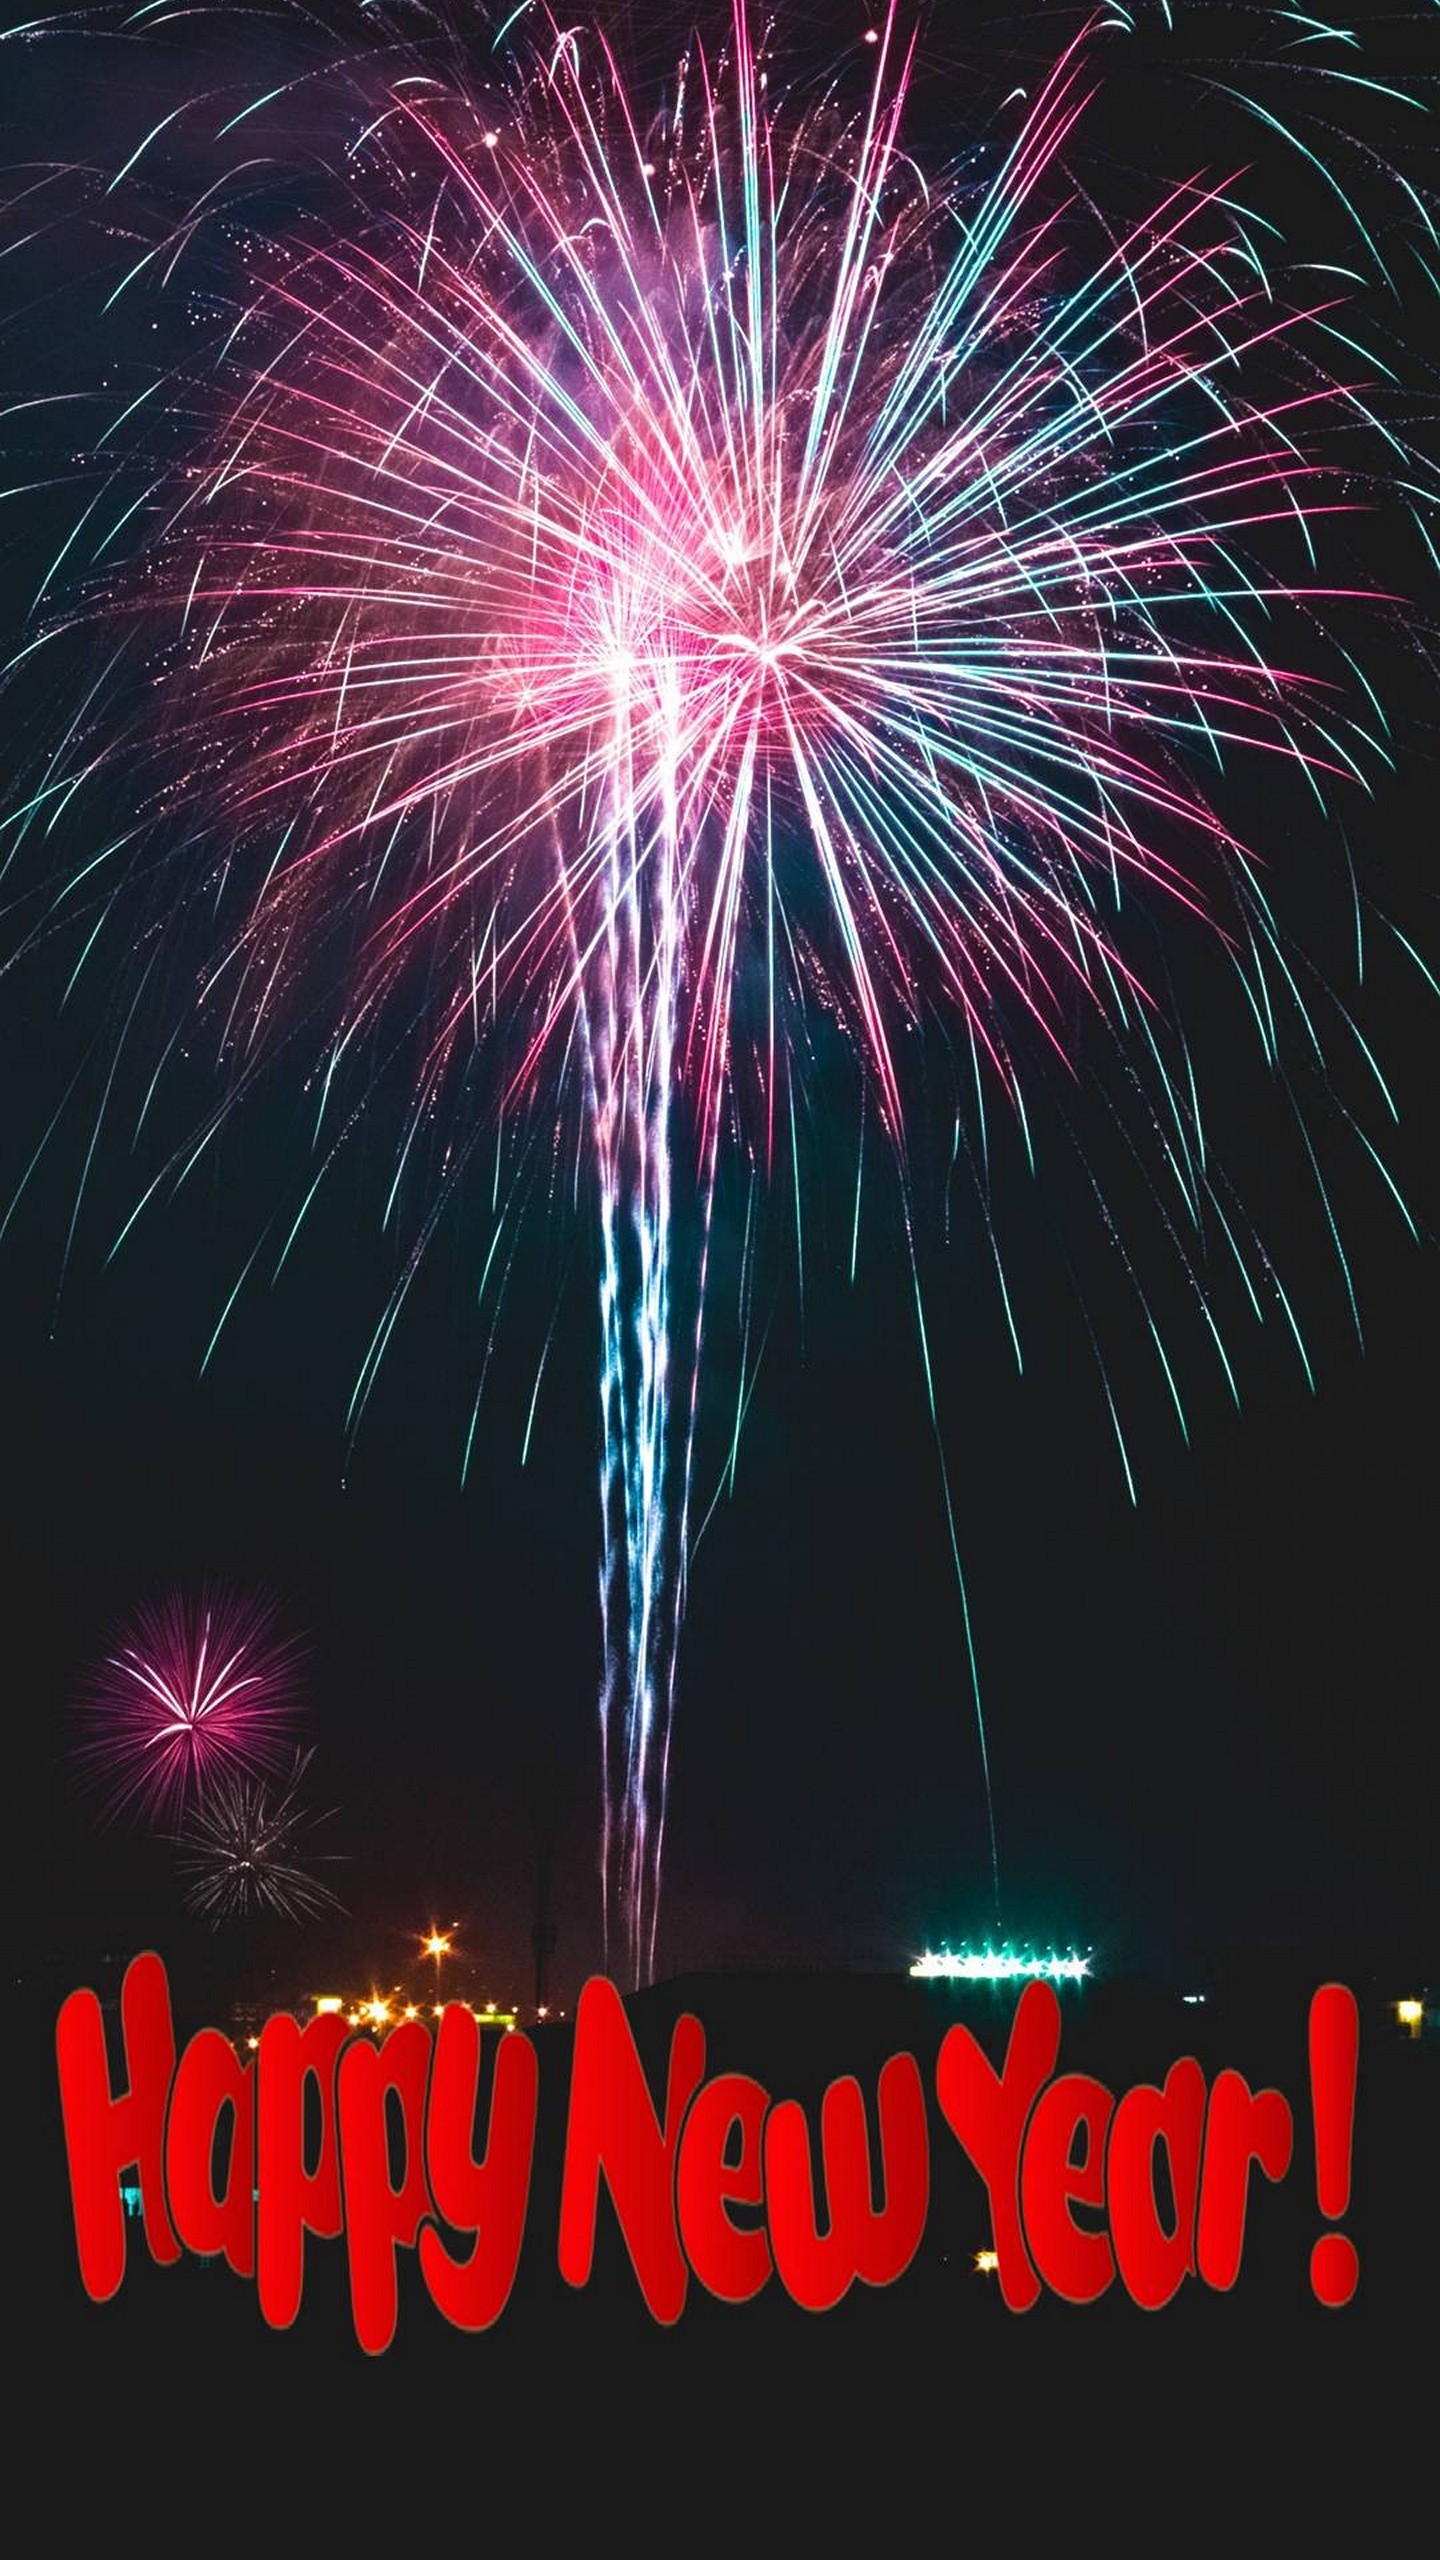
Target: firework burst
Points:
(202, 1691)
(241, 1847)
(643, 583)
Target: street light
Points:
(438, 1944)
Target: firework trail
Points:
(201, 1692)
(643, 584)
(240, 1850)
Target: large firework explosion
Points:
(627, 585)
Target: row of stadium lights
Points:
(998, 1964)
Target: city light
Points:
(380, 2011)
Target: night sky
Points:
(1210, 1712)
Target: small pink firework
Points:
(202, 1688)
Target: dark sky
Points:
(1210, 1713)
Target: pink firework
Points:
(202, 1690)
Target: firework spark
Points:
(646, 582)
(241, 1847)
(203, 1691)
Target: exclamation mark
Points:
(1334, 2053)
